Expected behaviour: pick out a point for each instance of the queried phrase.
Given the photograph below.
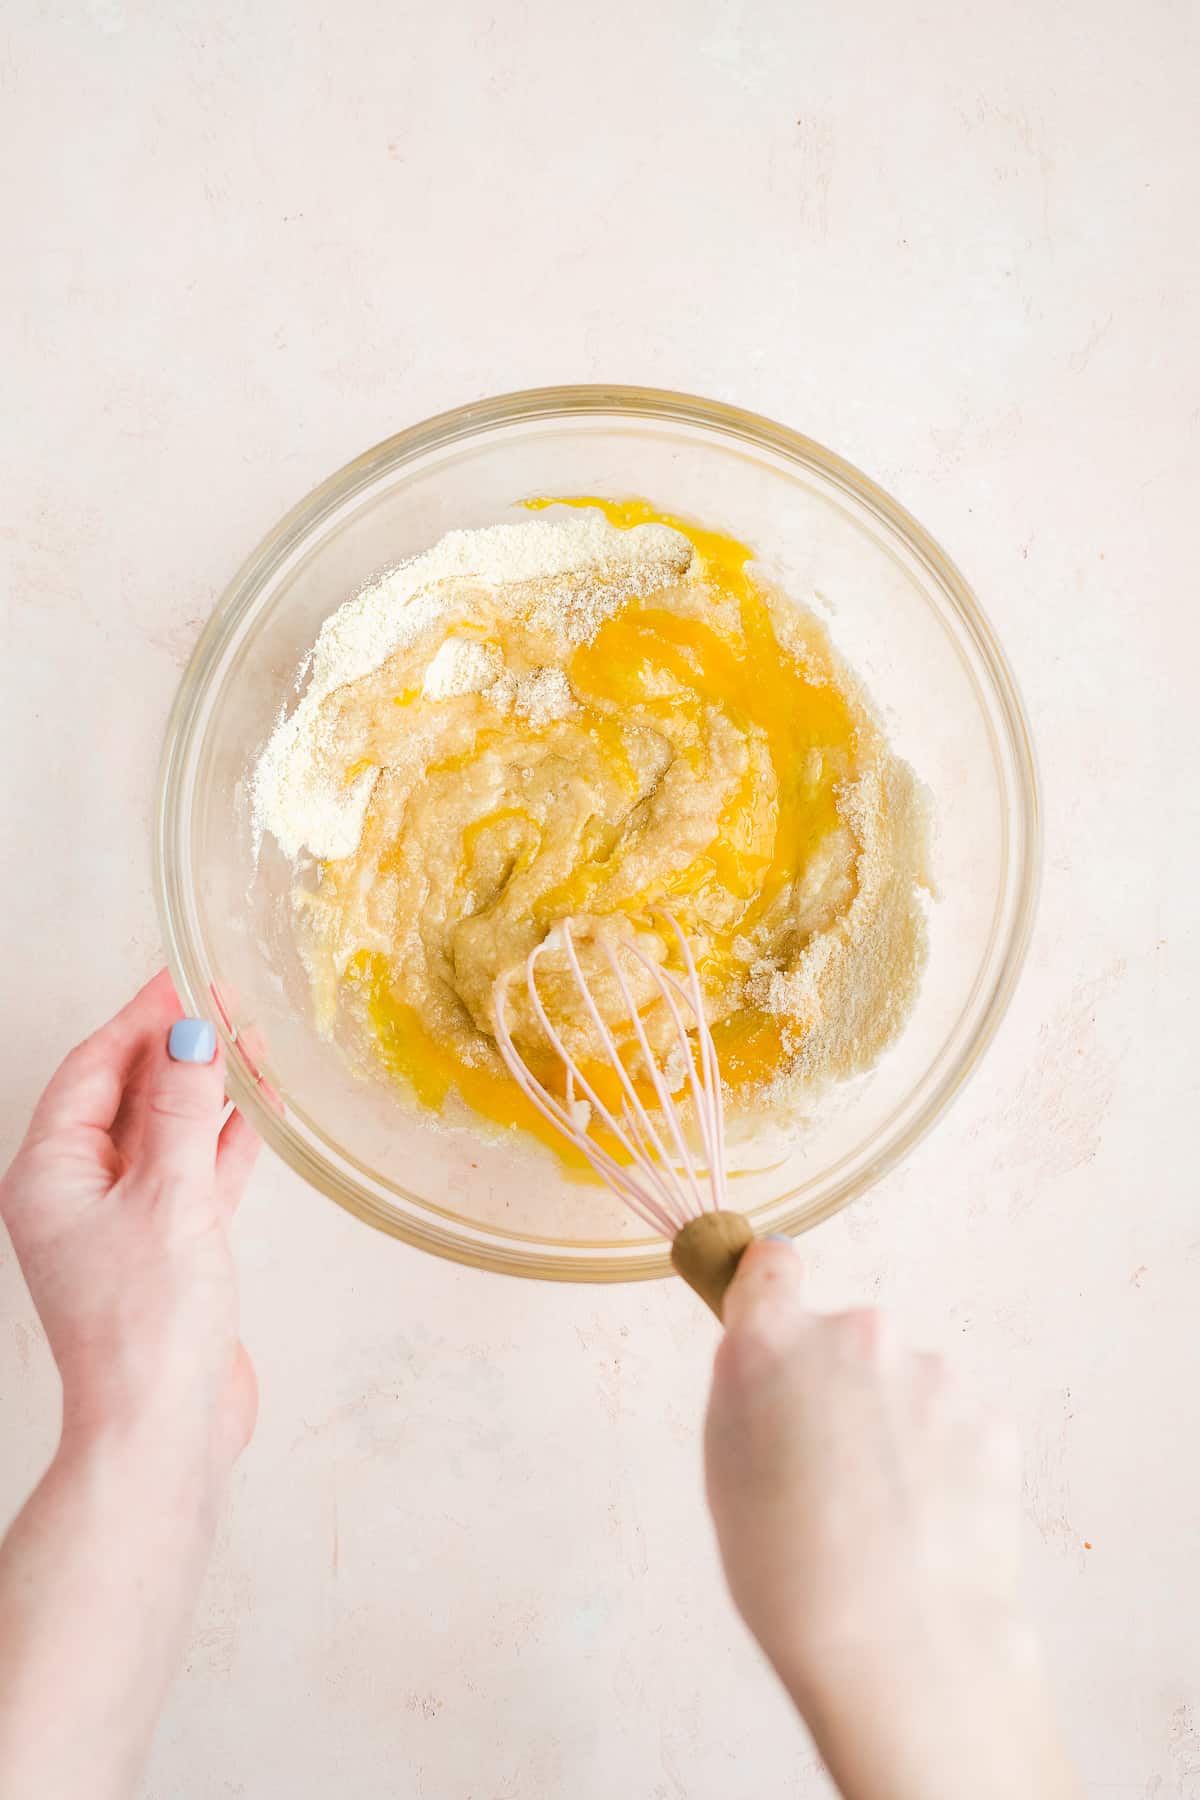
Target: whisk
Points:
(677, 1190)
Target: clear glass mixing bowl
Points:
(897, 609)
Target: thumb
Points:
(750, 1429)
(768, 1289)
(765, 1318)
(185, 1098)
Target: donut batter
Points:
(646, 726)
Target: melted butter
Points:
(673, 670)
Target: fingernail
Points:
(780, 1237)
(192, 1040)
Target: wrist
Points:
(140, 1467)
(906, 1716)
(995, 1644)
(168, 1423)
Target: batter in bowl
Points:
(594, 720)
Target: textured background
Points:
(466, 1557)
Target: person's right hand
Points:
(867, 1515)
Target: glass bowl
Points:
(897, 609)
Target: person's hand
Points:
(118, 1204)
(867, 1514)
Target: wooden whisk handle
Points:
(707, 1252)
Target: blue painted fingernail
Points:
(192, 1040)
(779, 1237)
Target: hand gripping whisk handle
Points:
(641, 1149)
(707, 1251)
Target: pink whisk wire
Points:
(665, 1190)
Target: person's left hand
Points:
(118, 1204)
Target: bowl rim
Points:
(575, 1261)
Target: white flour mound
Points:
(461, 666)
(292, 795)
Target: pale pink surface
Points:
(466, 1556)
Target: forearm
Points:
(913, 1726)
(98, 1579)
